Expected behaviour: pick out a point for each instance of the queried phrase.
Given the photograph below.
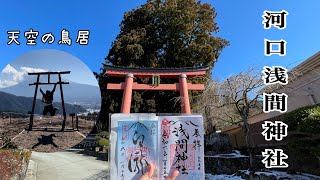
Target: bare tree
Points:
(232, 102)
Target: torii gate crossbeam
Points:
(128, 86)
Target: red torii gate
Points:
(129, 85)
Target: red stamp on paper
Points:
(125, 133)
(179, 157)
(165, 128)
(137, 152)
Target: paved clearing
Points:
(68, 165)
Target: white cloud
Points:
(10, 76)
(31, 70)
(5, 83)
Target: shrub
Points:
(306, 119)
(103, 138)
(103, 134)
(103, 142)
(304, 155)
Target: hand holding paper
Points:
(150, 171)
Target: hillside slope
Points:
(12, 103)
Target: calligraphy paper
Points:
(169, 142)
(181, 146)
(134, 144)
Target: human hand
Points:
(148, 175)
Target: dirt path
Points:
(68, 165)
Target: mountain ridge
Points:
(74, 93)
(21, 104)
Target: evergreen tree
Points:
(162, 34)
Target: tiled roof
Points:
(145, 69)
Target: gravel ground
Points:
(46, 135)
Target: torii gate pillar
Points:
(185, 103)
(127, 94)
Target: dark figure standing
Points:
(47, 98)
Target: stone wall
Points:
(217, 143)
(225, 165)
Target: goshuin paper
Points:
(181, 146)
(169, 142)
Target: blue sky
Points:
(46, 60)
(240, 22)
